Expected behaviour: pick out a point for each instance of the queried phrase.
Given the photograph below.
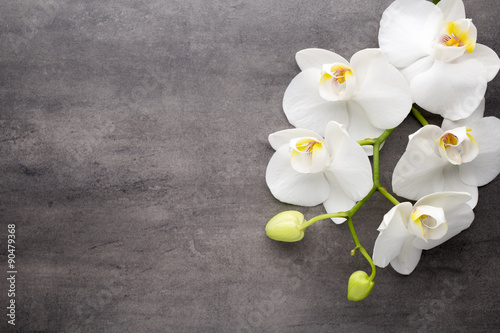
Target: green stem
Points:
(354, 209)
(353, 232)
(347, 214)
(366, 142)
(323, 217)
(361, 249)
(376, 184)
(389, 196)
(376, 187)
(376, 153)
(419, 116)
(435, 1)
(370, 261)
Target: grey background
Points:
(133, 150)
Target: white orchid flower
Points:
(408, 229)
(435, 47)
(367, 95)
(450, 158)
(307, 170)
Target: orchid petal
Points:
(290, 186)
(400, 211)
(454, 182)
(486, 56)
(475, 116)
(360, 127)
(408, 30)
(316, 58)
(453, 90)
(457, 224)
(447, 54)
(452, 9)
(282, 138)
(393, 234)
(486, 166)
(350, 165)
(338, 201)
(438, 232)
(469, 31)
(459, 216)
(420, 66)
(305, 108)
(408, 258)
(383, 92)
(420, 169)
(448, 201)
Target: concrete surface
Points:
(133, 153)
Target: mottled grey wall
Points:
(133, 149)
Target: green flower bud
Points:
(359, 286)
(285, 226)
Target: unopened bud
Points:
(285, 226)
(359, 286)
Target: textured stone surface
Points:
(133, 150)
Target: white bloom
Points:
(307, 170)
(449, 159)
(367, 95)
(406, 230)
(435, 48)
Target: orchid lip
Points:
(337, 82)
(428, 222)
(454, 38)
(458, 34)
(309, 155)
(458, 146)
(305, 145)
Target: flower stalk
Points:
(419, 116)
(361, 249)
(314, 164)
(287, 227)
(389, 196)
(377, 186)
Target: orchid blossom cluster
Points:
(343, 112)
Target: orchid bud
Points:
(359, 286)
(286, 226)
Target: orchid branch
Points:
(377, 142)
(361, 249)
(290, 226)
(366, 142)
(419, 116)
(389, 196)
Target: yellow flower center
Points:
(337, 73)
(428, 222)
(309, 155)
(458, 146)
(306, 146)
(418, 221)
(456, 34)
(448, 140)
